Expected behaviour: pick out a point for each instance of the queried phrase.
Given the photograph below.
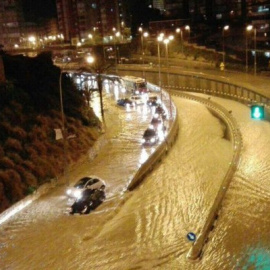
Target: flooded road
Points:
(147, 228)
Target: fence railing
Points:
(201, 84)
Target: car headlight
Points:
(68, 191)
(143, 140)
(78, 194)
(152, 140)
(151, 126)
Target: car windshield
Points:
(81, 183)
(149, 132)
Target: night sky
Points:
(39, 9)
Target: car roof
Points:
(85, 179)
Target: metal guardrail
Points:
(200, 84)
(233, 134)
(157, 155)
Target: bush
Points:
(16, 158)
(6, 163)
(13, 144)
(3, 199)
(12, 185)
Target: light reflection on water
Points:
(147, 228)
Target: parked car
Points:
(89, 201)
(160, 111)
(150, 137)
(125, 102)
(87, 182)
(157, 123)
(138, 100)
(153, 101)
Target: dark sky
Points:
(38, 9)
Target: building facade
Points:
(11, 22)
(78, 19)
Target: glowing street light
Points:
(187, 28)
(178, 30)
(166, 42)
(90, 59)
(159, 39)
(225, 28)
(144, 35)
(250, 28)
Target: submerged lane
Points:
(146, 228)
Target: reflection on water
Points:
(257, 258)
(147, 228)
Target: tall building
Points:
(159, 4)
(78, 18)
(11, 21)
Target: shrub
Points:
(3, 199)
(37, 134)
(19, 133)
(6, 163)
(2, 153)
(13, 144)
(12, 185)
(30, 151)
(40, 147)
(16, 158)
(27, 178)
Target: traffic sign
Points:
(257, 111)
(191, 236)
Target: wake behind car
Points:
(87, 182)
(150, 137)
(125, 102)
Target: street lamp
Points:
(166, 42)
(63, 125)
(187, 28)
(178, 30)
(250, 28)
(144, 35)
(116, 35)
(159, 39)
(225, 28)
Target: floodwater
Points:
(147, 228)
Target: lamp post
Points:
(250, 28)
(159, 39)
(178, 30)
(63, 126)
(144, 35)
(117, 35)
(225, 28)
(255, 52)
(166, 42)
(187, 28)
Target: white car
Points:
(87, 182)
(137, 100)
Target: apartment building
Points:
(11, 22)
(79, 18)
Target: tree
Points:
(99, 66)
